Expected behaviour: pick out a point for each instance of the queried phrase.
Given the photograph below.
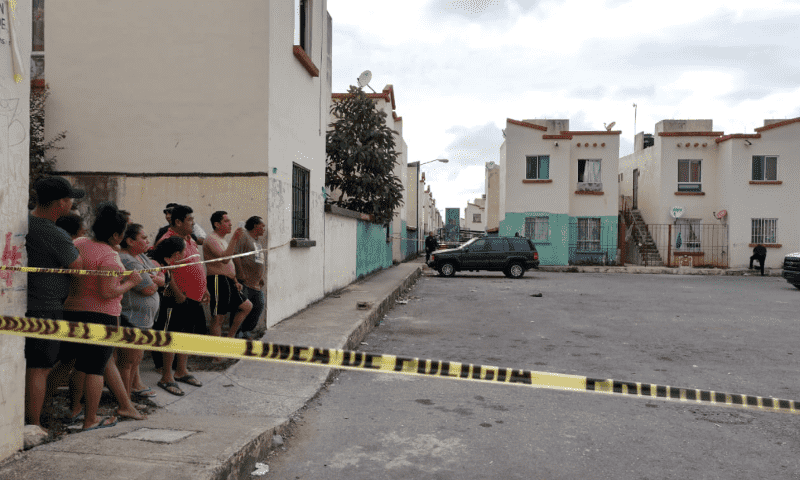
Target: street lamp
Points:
(443, 160)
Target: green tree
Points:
(42, 160)
(361, 158)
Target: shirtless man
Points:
(225, 291)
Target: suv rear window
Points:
(519, 244)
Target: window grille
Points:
(537, 167)
(764, 230)
(476, 218)
(537, 228)
(765, 168)
(300, 201)
(689, 179)
(588, 234)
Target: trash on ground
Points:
(261, 469)
(536, 295)
(402, 302)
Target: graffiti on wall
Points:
(12, 257)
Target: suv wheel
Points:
(447, 269)
(515, 270)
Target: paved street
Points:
(732, 334)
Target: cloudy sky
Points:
(460, 68)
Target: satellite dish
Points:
(364, 78)
(609, 126)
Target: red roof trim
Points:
(388, 90)
(305, 61)
(776, 125)
(396, 118)
(690, 134)
(339, 96)
(526, 124)
(592, 132)
(737, 135)
(556, 137)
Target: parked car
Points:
(791, 268)
(510, 255)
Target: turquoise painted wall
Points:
(554, 251)
(408, 242)
(561, 246)
(372, 250)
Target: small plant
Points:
(42, 158)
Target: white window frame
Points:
(691, 185)
(537, 174)
(589, 227)
(537, 228)
(691, 232)
(765, 160)
(302, 24)
(764, 231)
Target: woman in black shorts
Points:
(96, 299)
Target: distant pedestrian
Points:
(760, 254)
(47, 246)
(431, 244)
(250, 271)
(72, 223)
(223, 288)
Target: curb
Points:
(661, 270)
(242, 463)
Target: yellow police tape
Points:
(107, 273)
(351, 360)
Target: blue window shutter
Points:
(544, 167)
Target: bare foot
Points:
(134, 415)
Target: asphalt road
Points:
(731, 334)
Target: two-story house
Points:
(475, 214)
(174, 102)
(709, 198)
(558, 187)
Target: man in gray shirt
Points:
(48, 246)
(250, 271)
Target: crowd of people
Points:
(168, 300)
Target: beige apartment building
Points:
(218, 110)
(492, 189)
(723, 194)
(475, 214)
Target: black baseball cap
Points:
(50, 189)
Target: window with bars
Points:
(476, 218)
(689, 179)
(764, 230)
(537, 228)
(589, 234)
(300, 201)
(765, 168)
(688, 234)
(537, 167)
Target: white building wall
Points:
(602, 146)
(164, 86)
(492, 189)
(298, 112)
(340, 251)
(14, 142)
(501, 183)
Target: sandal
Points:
(171, 387)
(190, 380)
(78, 417)
(144, 393)
(104, 422)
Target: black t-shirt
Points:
(48, 246)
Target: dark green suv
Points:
(510, 255)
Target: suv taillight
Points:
(536, 255)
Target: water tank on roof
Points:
(648, 140)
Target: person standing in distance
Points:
(431, 244)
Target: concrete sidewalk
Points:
(219, 431)
(772, 272)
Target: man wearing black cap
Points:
(48, 246)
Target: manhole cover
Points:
(157, 435)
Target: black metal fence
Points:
(591, 242)
(681, 245)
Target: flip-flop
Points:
(78, 417)
(104, 423)
(122, 415)
(144, 393)
(171, 387)
(190, 380)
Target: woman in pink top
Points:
(95, 299)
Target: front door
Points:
(636, 188)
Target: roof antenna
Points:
(364, 79)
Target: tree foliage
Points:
(42, 159)
(361, 158)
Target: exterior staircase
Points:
(646, 247)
